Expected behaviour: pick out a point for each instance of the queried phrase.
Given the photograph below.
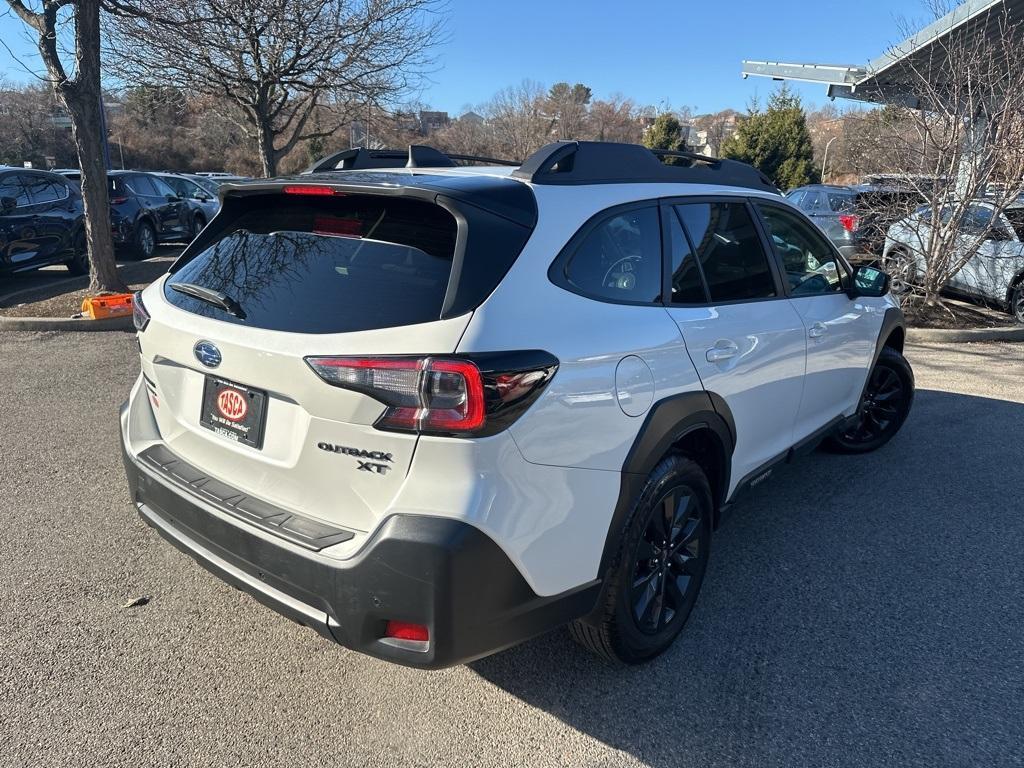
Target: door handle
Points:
(817, 330)
(723, 350)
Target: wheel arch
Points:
(1017, 280)
(698, 425)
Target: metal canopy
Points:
(887, 79)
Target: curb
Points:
(965, 335)
(66, 324)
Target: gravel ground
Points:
(858, 612)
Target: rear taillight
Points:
(140, 317)
(476, 395)
(118, 200)
(849, 222)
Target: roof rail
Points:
(418, 156)
(599, 162)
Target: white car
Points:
(433, 411)
(995, 272)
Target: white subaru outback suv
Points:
(432, 411)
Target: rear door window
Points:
(310, 264)
(12, 186)
(728, 249)
(840, 202)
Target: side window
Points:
(11, 186)
(796, 197)
(141, 185)
(687, 283)
(44, 190)
(979, 221)
(162, 188)
(839, 202)
(810, 201)
(728, 251)
(620, 259)
(809, 262)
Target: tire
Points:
(78, 264)
(902, 272)
(884, 406)
(198, 224)
(144, 242)
(1017, 302)
(648, 596)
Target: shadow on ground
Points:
(43, 284)
(858, 611)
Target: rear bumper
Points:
(442, 573)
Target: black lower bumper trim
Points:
(442, 573)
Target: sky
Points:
(668, 53)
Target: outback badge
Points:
(374, 461)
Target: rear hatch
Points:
(288, 273)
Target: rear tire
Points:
(78, 264)
(658, 570)
(901, 270)
(198, 225)
(883, 408)
(144, 242)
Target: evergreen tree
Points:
(776, 141)
(665, 133)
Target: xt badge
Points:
(374, 459)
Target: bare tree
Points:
(78, 89)
(615, 119)
(293, 70)
(517, 117)
(958, 142)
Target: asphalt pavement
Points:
(858, 611)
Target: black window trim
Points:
(781, 291)
(846, 271)
(558, 272)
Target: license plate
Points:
(234, 411)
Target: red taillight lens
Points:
(422, 394)
(849, 222)
(118, 200)
(404, 630)
(140, 317)
(309, 189)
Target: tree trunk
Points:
(85, 129)
(82, 99)
(268, 155)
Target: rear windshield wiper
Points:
(210, 296)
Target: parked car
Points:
(145, 211)
(855, 218)
(432, 415)
(203, 205)
(71, 174)
(995, 271)
(40, 222)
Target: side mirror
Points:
(173, 199)
(8, 204)
(870, 281)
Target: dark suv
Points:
(855, 218)
(40, 222)
(145, 211)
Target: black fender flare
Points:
(668, 421)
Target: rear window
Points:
(1016, 217)
(325, 265)
(840, 202)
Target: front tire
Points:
(659, 568)
(884, 406)
(198, 225)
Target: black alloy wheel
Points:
(669, 562)
(662, 554)
(884, 406)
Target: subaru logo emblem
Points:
(207, 354)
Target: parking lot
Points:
(858, 611)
